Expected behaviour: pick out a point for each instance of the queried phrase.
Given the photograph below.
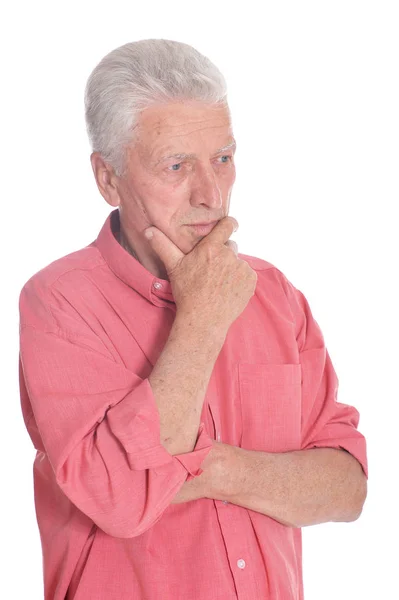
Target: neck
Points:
(147, 262)
(125, 244)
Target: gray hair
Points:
(136, 76)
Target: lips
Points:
(203, 228)
(208, 223)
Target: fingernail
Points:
(148, 234)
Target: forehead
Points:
(160, 123)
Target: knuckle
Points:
(211, 249)
(234, 222)
(232, 245)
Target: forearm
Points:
(297, 489)
(179, 381)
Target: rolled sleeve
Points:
(192, 461)
(328, 423)
(98, 425)
(144, 450)
(325, 421)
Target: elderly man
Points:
(179, 394)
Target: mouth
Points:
(203, 228)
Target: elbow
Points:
(121, 501)
(123, 517)
(354, 508)
(126, 529)
(121, 532)
(360, 498)
(118, 530)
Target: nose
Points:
(205, 189)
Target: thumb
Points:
(167, 251)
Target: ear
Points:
(105, 178)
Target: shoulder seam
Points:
(82, 268)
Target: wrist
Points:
(219, 472)
(190, 323)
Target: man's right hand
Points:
(210, 283)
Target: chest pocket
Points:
(270, 397)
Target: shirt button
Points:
(241, 563)
(218, 437)
(157, 285)
(225, 502)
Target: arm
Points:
(98, 423)
(186, 363)
(320, 482)
(297, 489)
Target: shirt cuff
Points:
(135, 422)
(191, 461)
(355, 446)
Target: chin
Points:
(188, 245)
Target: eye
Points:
(172, 167)
(178, 165)
(226, 156)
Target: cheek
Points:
(226, 174)
(232, 175)
(165, 210)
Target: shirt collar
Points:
(128, 268)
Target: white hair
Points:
(137, 75)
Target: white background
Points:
(313, 90)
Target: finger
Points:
(233, 245)
(222, 231)
(167, 251)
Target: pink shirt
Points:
(92, 326)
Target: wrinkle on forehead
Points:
(162, 123)
(191, 120)
(184, 133)
(191, 126)
(188, 113)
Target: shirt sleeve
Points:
(325, 421)
(99, 426)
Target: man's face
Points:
(172, 193)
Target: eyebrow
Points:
(183, 155)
